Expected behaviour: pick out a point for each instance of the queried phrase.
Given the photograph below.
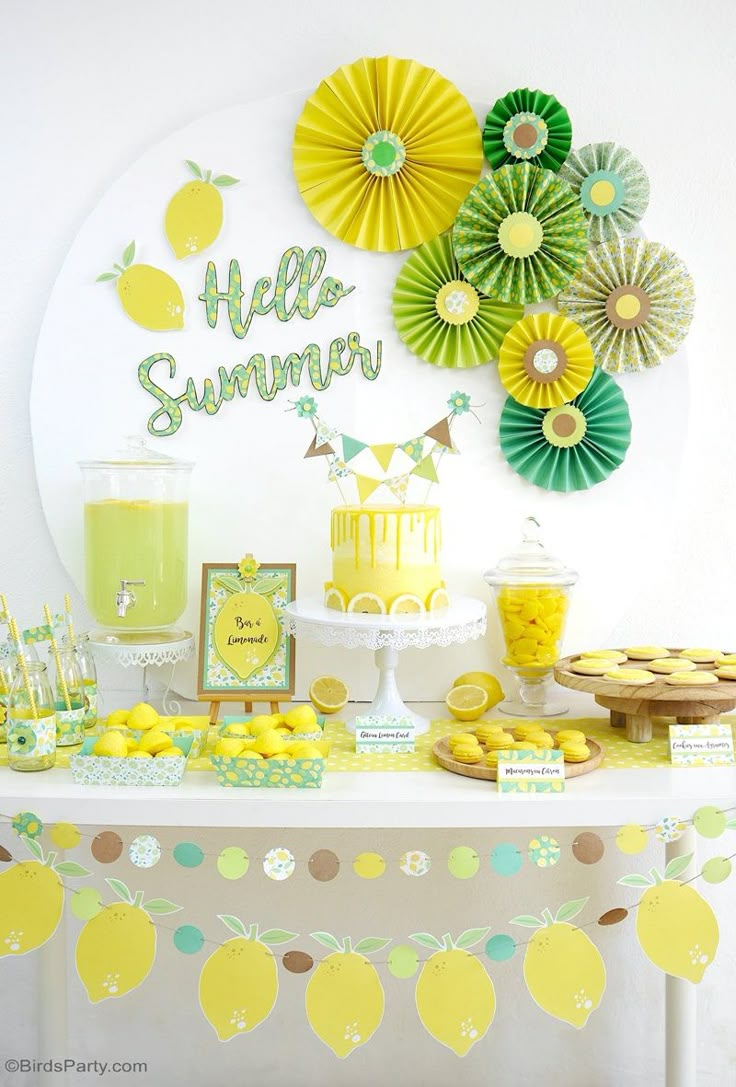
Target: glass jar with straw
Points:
(69, 698)
(79, 643)
(31, 723)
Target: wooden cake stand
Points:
(633, 707)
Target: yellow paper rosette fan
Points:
(384, 152)
(521, 234)
(635, 300)
(545, 360)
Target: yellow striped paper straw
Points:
(13, 626)
(55, 651)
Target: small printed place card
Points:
(531, 771)
(701, 745)
(384, 735)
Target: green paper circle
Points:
(233, 862)
(188, 855)
(709, 822)
(27, 823)
(717, 869)
(86, 903)
(544, 851)
(403, 962)
(619, 193)
(632, 839)
(383, 153)
(463, 862)
(500, 948)
(188, 939)
(506, 859)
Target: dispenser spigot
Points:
(125, 598)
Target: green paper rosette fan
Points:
(545, 360)
(441, 317)
(613, 188)
(634, 299)
(520, 235)
(571, 447)
(527, 126)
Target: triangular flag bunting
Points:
(398, 487)
(426, 470)
(366, 486)
(318, 450)
(441, 433)
(383, 454)
(414, 448)
(351, 447)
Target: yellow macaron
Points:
(523, 745)
(605, 654)
(484, 731)
(570, 736)
(523, 732)
(543, 741)
(575, 752)
(491, 758)
(635, 677)
(700, 656)
(468, 753)
(500, 742)
(461, 738)
(691, 679)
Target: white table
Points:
(606, 798)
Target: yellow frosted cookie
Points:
(542, 741)
(570, 735)
(605, 654)
(467, 753)
(727, 659)
(593, 667)
(726, 671)
(647, 652)
(691, 679)
(500, 742)
(575, 752)
(637, 677)
(667, 665)
(484, 731)
(700, 656)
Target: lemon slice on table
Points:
(487, 682)
(467, 702)
(406, 604)
(367, 604)
(328, 694)
(334, 599)
(438, 600)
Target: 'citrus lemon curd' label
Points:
(298, 274)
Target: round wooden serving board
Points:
(488, 773)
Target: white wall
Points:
(87, 88)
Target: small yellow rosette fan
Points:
(384, 153)
(545, 360)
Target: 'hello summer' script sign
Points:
(298, 289)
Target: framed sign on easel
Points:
(244, 654)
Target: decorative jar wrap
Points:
(70, 724)
(89, 769)
(90, 690)
(31, 739)
(3, 717)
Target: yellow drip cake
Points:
(385, 560)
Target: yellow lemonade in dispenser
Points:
(136, 540)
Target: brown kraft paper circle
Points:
(4, 855)
(614, 916)
(628, 322)
(587, 848)
(324, 865)
(525, 135)
(107, 847)
(298, 962)
(564, 425)
(540, 345)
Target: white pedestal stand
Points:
(144, 655)
(386, 635)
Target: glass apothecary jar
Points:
(532, 590)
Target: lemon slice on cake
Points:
(438, 600)
(367, 604)
(334, 598)
(468, 702)
(406, 604)
(328, 694)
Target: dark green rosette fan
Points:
(527, 126)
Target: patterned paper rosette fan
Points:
(384, 152)
(521, 234)
(571, 447)
(441, 317)
(613, 188)
(635, 301)
(545, 360)
(527, 126)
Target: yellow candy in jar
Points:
(532, 618)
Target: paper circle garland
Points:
(717, 869)
(384, 152)
(632, 839)
(324, 865)
(527, 126)
(298, 962)
(588, 847)
(369, 865)
(463, 862)
(279, 863)
(65, 835)
(415, 863)
(144, 851)
(709, 821)
(188, 939)
(613, 188)
(188, 854)
(545, 360)
(441, 317)
(669, 829)
(506, 859)
(27, 823)
(614, 916)
(5, 856)
(403, 961)
(86, 902)
(571, 447)
(520, 235)
(233, 862)
(635, 301)
(501, 948)
(106, 846)
(544, 851)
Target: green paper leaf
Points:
(277, 936)
(265, 586)
(635, 881)
(106, 276)
(731, 824)
(233, 923)
(161, 905)
(229, 583)
(371, 943)
(71, 868)
(571, 909)
(471, 936)
(427, 940)
(34, 847)
(120, 889)
(128, 254)
(194, 168)
(326, 940)
(677, 865)
(527, 921)
(224, 179)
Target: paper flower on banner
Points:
(545, 360)
(384, 152)
(635, 300)
(527, 126)
(571, 447)
(248, 568)
(459, 403)
(441, 317)
(613, 188)
(521, 235)
(306, 407)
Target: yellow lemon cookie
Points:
(484, 731)
(727, 659)
(593, 667)
(646, 652)
(499, 743)
(468, 753)
(700, 656)
(570, 736)
(667, 665)
(605, 654)
(637, 677)
(691, 679)
(726, 671)
(575, 752)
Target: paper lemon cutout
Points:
(344, 999)
(194, 214)
(246, 633)
(455, 997)
(149, 296)
(32, 900)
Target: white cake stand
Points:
(463, 620)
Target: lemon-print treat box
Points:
(90, 769)
(278, 771)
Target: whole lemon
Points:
(115, 951)
(132, 743)
(239, 728)
(172, 752)
(142, 717)
(487, 682)
(564, 972)
(300, 716)
(111, 744)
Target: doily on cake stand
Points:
(386, 635)
(145, 654)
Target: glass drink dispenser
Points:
(136, 526)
